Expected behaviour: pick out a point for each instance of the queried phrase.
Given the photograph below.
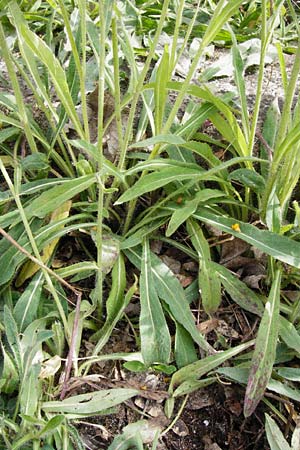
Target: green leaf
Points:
(137, 433)
(178, 172)
(273, 212)
(289, 334)
(36, 162)
(265, 349)
(91, 403)
(10, 380)
(155, 336)
(183, 213)
(296, 437)
(184, 349)
(239, 291)
(52, 425)
(115, 305)
(199, 368)
(239, 68)
(161, 163)
(136, 238)
(160, 90)
(30, 390)
(289, 373)
(187, 387)
(248, 178)
(159, 139)
(274, 435)
(280, 247)
(156, 180)
(9, 253)
(7, 133)
(237, 374)
(209, 282)
(48, 201)
(26, 307)
(47, 57)
(283, 389)
(170, 290)
(12, 336)
(269, 132)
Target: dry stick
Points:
(265, 144)
(77, 293)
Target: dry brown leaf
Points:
(233, 248)
(207, 326)
(180, 428)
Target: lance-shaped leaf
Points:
(209, 283)
(160, 91)
(47, 57)
(181, 214)
(170, 291)
(26, 307)
(199, 368)
(265, 349)
(48, 201)
(280, 247)
(240, 293)
(91, 403)
(155, 336)
(155, 180)
(275, 437)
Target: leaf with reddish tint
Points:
(265, 349)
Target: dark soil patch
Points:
(220, 426)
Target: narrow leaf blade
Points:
(265, 350)
(155, 336)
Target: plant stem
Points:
(100, 178)
(80, 65)
(284, 141)
(290, 93)
(17, 91)
(117, 91)
(265, 38)
(136, 95)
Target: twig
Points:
(265, 144)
